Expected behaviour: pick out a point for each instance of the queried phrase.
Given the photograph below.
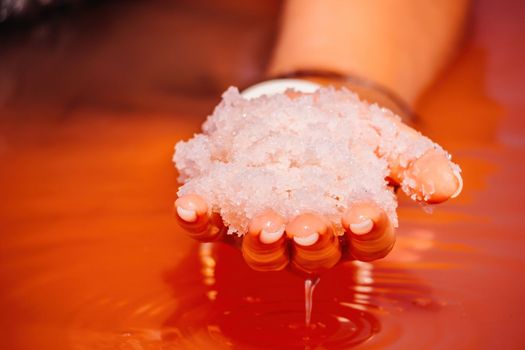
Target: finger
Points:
(369, 232)
(314, 246)
(193, 216)
(432, 178)
(265, 246)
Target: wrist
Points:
(308, 81)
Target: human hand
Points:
(307, 242)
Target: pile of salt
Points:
(317, 152)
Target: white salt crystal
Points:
(319, 152)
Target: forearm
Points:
(400, 44)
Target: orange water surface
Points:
(91, 105)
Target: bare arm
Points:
(400, 44)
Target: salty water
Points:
(91, 258)
(309, 287)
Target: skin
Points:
(399, 44)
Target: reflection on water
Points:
(217, 302)
(264, 309)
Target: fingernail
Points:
(187, 215)
(267, 237)
(306, 241)
(460, 184)
(362, 227)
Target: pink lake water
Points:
(91, 257)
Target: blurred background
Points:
(93, 96)
(131, 54)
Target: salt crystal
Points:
(427, 208)
(319, 152)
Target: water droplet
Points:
(309, 286)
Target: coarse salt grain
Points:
(318, 153)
